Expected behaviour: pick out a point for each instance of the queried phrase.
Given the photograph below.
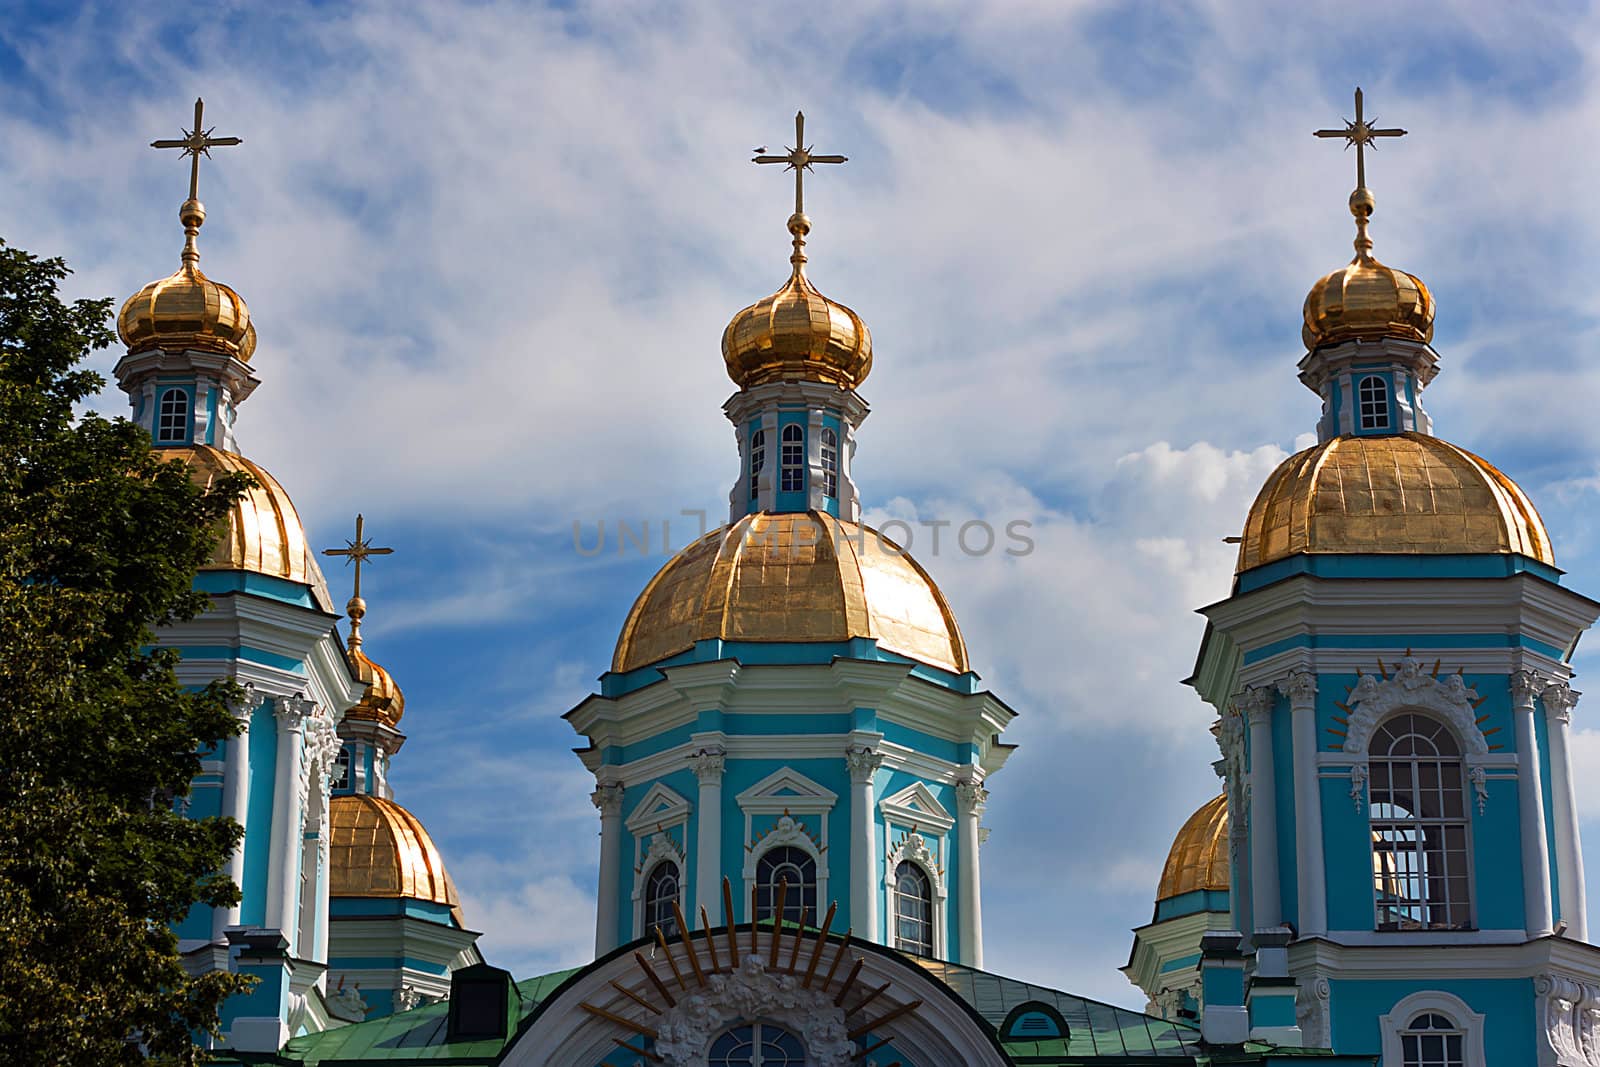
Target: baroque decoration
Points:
(1412, 685)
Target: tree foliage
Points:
(100, 539)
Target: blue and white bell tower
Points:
(790, 700)
(1392, 675)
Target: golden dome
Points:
(263, 532)
(187, 309)
(382, 701)
(379, 849)
(797, 333)
(1367, 299)
(797, 576)
(1199, 856)
(1405, 493)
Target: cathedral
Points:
(791, 753)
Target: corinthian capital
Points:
(1525, 686)
(607, 796)
(246, 703)
(708, 765)
(1559, 700)
(863, 764)
(292, 712)
(1256, 703)
(971, 796)
(1301, 689)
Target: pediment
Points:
(916, 806)
(660, 807)
(786, 789)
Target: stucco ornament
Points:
(1413, 687)
(662, 847)
(745, 995)
(1358, 784)
(1569, 1020)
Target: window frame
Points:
(758, 460)
(766, 892)
(792, 458)
(830, 462)
(667, 921)
(925, 898)
(1451, 777)
(1376, 404)
(754, 1045)
(182, 419)
(1394, 1025)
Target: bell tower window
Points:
(660, 893)
(758, 459)
(1431, 1040)
(795, 866)
(1373, 397)
(172, 417)
(830, 462)
(1419, 826)
(792, 460)
(913, 910)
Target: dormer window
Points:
(1373, 397)
(172, 418)
(792, 460)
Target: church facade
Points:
(791, 755)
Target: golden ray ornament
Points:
(695, 964)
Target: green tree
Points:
(100, 539)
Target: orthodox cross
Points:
(1360, 133)
(799, 160)
(196, 143)
(357, 552)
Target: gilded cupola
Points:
(1367, 299)
(187, 310)
(1198, 858)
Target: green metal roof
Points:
(1096, 1032)
(416, 1036)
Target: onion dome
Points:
(382, 701)
(1199, 856)
(187, 309)
(792, 577)
(1407, 493)
(379, 849)
(262, 533)
(1367, 299)
(797, 334)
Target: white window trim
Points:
(654, 818)
(1392, 1025)
(913, 848)
(785, 792)
(916, 808)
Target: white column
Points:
(607, 796)
(322, 750)
(235, 804)
(1530, 799)
(863, 763)
(708, 766)
(288, 800)
(1266, 904)
(1559, 700)
(1301, 689)
(971, 798)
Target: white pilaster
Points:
(971, 799)
(1525, 688)
(1559, 700)
(863, 763)
(607, 796)
(708, 767)
(283, 868)
(1301, 689)
(1265, 899)
(235, 803)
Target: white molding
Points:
(913, 848)
(807, 796)
(915, 807)
(660, 808)
(662, 849)
(1451, 1007)
(1411, 687)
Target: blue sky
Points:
(490, 249)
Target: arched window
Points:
(660, 893)
(758, 459)
(1419, 826)
(172, 422)
(757, 1045)
(341, 770)
(830, 462)
(913, 910)
(1432, 1040)
(792, 459)
(795, 866)
(1374, 397)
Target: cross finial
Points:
(357, 552)
(195, 143)
(1361, 132)
(798, 159)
